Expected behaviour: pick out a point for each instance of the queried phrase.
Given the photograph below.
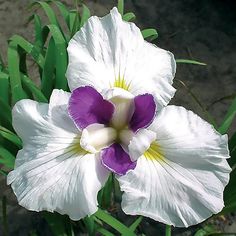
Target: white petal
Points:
(108, 52)
(140, 142)
(52, 171)
(59, 105)
(96, 137)
(183, 183)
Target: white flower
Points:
(170, 163)
(173, 170)
(108, 52)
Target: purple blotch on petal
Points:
(117, 160)
(87, 106)
(145, 108)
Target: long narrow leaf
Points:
(228, 118)
(150, 33)
(114, 223)
(129, 16)
(60, 57)
(7, 134)
(85, 15)
(187, 61)
(14, 73)
(120, 7)
(48, 70)
(136, 223)
(39, 96)
(5, 112)
(64, 11)
(4, 87)
(6, 158)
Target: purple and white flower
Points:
(170, 164)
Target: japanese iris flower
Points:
(170, 164)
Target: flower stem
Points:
(168, 230)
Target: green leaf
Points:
(7, 134)
(47, 82)
(168, 230)
(90, 225)
(30, 85)
(230, 194)
(64, 11)
(57, 223)
(85, 15)
(6, 158)
(150, 33)
(187, 61)
(4, 87)
(14, 73)
(104, 195)
(61, 59)
(38, 41)
(232, 149)
(105, 232)
(73, 22)
(18, 42)
(136, 223)
(120, 7)
(114, 223)
(129, 16)
(5, 112)
(48, 10)
(228, 118)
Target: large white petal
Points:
(109, 52)
(183, 184)
(52, 172)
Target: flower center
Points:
(96, 137)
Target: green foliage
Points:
(48, 51)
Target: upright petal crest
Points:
(108, 52)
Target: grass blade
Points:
(228, 118)
(187, 61)
(60, 57)
(7, 134)
(85, 15)
(30, 85)
(105, 232)
(48, 71)
(5, 112)
(14, 73)
(4, 87)
(6, 158)
(129, 16)
(150, 33)
(136, 223)
(114, 223)
(120, 7)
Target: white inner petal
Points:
(124, 109)
(96, 137)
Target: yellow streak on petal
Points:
(76, 148)
(154, 152)
(121, 83)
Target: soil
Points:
(202, 30)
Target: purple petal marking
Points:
(145, 108)
(87, 106)
(117, 160)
